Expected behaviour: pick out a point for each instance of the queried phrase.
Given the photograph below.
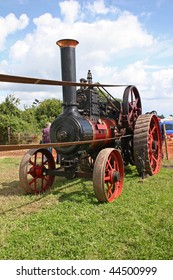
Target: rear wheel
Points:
(108, 175)
(147, 144)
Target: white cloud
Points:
(23, 47)
(163, 78)
(98, 7)
(135, 72)
(157, 91)
(37, 50)
(99, 41)
(11, 24)
(117, 50)
(70, 10)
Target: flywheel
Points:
(132, 107)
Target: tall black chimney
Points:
(68, 66)
(70, 126)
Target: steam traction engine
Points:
(95, 137)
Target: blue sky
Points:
(128, 42)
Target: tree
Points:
(29, 117)
(47, 111)
(11, 117)
(9, 106)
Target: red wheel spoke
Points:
(109, 191)
(151, 132)
(131, 106)
(150, 136)
(107, 178)
(153, 157)
(116, 165)
(134, 104)
(31, 162)
(130, 114)
(33, 181)
(109, 164)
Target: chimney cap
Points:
(67, 43)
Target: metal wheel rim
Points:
(31, 171)
(107, 162)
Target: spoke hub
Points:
(114, 176)
(36, 171)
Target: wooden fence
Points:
(21, 137)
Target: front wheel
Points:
(108, 175)
(33, 178)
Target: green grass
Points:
(67, 222)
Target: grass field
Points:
(67, 222)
